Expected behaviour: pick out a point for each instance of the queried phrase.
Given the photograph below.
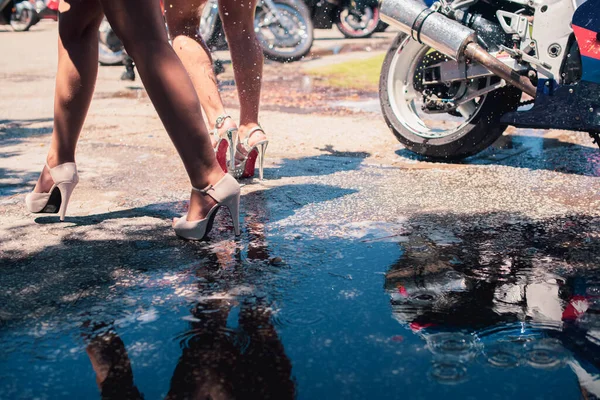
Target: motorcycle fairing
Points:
(586, 25)
(573, 107)
(570, 107)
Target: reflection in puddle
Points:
(454, 311)
(523, 296)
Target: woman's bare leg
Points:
(75, 80)
(140, 26)
(247, 57)
(183, 19)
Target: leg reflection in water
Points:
(221, 362)
(112, 367)
(230, 350)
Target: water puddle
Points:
(455, 311)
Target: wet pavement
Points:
(362, 270)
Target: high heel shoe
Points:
(226, 193)
(224, 142)
(246, 168)
(56, 200)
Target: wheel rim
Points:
(363, 23)
(22, 20)
(406, 101)
(288, 35)
(208, 18)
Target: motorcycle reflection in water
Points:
(230, 349)
(484, 305)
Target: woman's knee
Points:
(183, 17)
(237, 16)
(79, 19)
(136, 23)
(183, 43)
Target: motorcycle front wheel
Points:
(285, 35)
(458, 133)
(356, 24)
(110, 47)
(23, 17)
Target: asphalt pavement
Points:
(335, 186)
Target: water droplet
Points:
(448, 372)
(503, 355)
(299, 317)
(545, 354)
(456, 345)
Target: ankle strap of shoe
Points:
(246, 142)
(221, 120)
(205, 190)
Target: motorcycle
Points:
(46, 9)
(355, 19)
(283, 28)
(110, 48)
(20, 15)
(462, 71)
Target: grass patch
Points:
(355, 74)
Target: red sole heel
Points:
(250, 164)
(221, 154)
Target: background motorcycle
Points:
(354, 18)
(283, 28)
(451, 89)
(46, 9)
(20, 15)
(110, 48)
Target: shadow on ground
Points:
(14, 131)
(325, 164)
(532, 152)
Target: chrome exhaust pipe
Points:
(447, 36)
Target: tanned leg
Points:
(183, 19)
(140, 26)
(247, 58)
(78, 23)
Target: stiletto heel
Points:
(223, 142)
(246, 167)
(232, 140)
(65, 194)
(262, 149)
(233, 205)
(65, 179)
(226, 193)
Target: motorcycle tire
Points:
(27, 18)
(107, 56)
(301, 11)
(110, 48)
(479, 131)
(352, 32)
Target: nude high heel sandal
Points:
(246, 167)
(57, 199)
(224, 141)
(226, 193)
